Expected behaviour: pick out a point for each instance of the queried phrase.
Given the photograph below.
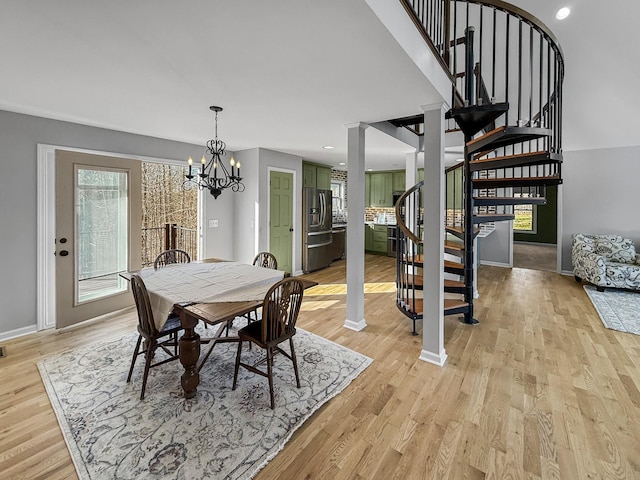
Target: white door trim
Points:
(46, 224)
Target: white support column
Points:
(355, 227)
(434, 205)
(411, 169)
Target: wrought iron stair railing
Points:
(506, 69)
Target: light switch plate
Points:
(213, 223)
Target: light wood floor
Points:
(535, 256)
(539, 389)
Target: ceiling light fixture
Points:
(563, 13)
(328, 147)
(213, 175)
(342, 164)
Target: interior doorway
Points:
(535, 256)
(535, 233)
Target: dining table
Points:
(213, 291)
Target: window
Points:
(525, 215)
(337, 192)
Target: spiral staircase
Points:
(506, 70)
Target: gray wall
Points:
(19, 136)
(600, 194)
(273, 159)
(495, 249)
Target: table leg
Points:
(189, 352)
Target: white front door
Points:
(98, 233)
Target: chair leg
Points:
(235, 372)
(151, 348)
(135, 357)
(295, 362)
(270, 375)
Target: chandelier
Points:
(214, 175)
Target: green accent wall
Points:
(547, 221)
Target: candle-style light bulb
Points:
(203, 160)
(190, 162)
(238, 165)
(232, 162)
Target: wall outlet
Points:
(213, 223)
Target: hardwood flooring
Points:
(535, 256)
(539, 389)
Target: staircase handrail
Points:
(532, 52)
(400, 217)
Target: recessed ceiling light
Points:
(328, 147)
(369, 169)
(563, 13)
(459, 159)
(342, 163)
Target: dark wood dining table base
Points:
(189, 345)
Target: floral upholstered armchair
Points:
(605, 261)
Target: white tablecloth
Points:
(205, 283)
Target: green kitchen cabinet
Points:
(323, 178)
(316, 176)
(309, 175)
(399, 181)
(368, 237)
(367, 189)
(381, 189)
(379, 239)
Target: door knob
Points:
(291, 229)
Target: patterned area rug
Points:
(618, 309)
(219, 434)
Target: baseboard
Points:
(567, 272)
(18, 332)
(357, 326)
(433, 358)
(494, 264)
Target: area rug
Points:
(618, 309)
(221, 434)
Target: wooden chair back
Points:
(171, 256)
(266, 260)
(280, 310)
(146, 325)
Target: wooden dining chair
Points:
(280, 310)
(266, 260)
(147, 331)
(171, 256)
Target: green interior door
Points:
(281, 218)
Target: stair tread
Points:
(452, 264)
(419, 259)
(449, 304)
(519, 159)
(459, 232)
(474, 118)
(450, 244)
(480, 183)
(504, 136)
(453, 284)
(492, 217)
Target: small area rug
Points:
(219, 434)
(618, 309)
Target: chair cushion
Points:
(616, 248)
(253, 330)
(172, 324)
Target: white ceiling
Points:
(290, 74)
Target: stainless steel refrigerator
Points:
(316, 229)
